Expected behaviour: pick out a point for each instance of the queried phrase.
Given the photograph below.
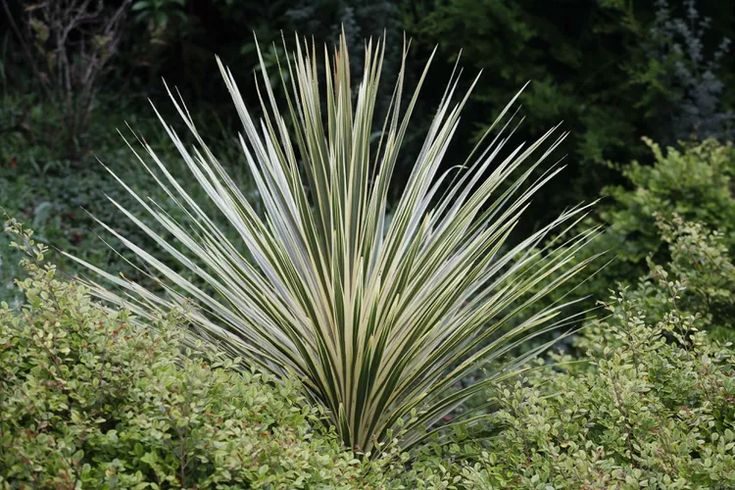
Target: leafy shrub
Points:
(90, 397)
(693, 184)
(700, 262)
(649, 404)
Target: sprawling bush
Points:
(650, 404)
(89, 398)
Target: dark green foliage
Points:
(67, 48)
(611, 70)
(58, 201)
(54, 205)
(687, 77)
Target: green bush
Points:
(650, 404)
(694, 183)
(90, 398)
(699, 260)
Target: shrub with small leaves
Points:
(90, 399)
(700, 262)
(694, 183)
(651, 404)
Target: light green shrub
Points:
(699, 260)
(90, 400)
(694, 183)
(650, 404)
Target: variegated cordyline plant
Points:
(380, 310)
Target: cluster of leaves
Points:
(649, 404)
(694, 182)
(700, 261)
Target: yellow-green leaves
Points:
(88, 400)
(380, 317)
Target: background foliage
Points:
(613, 70)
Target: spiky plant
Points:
(379, 310)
